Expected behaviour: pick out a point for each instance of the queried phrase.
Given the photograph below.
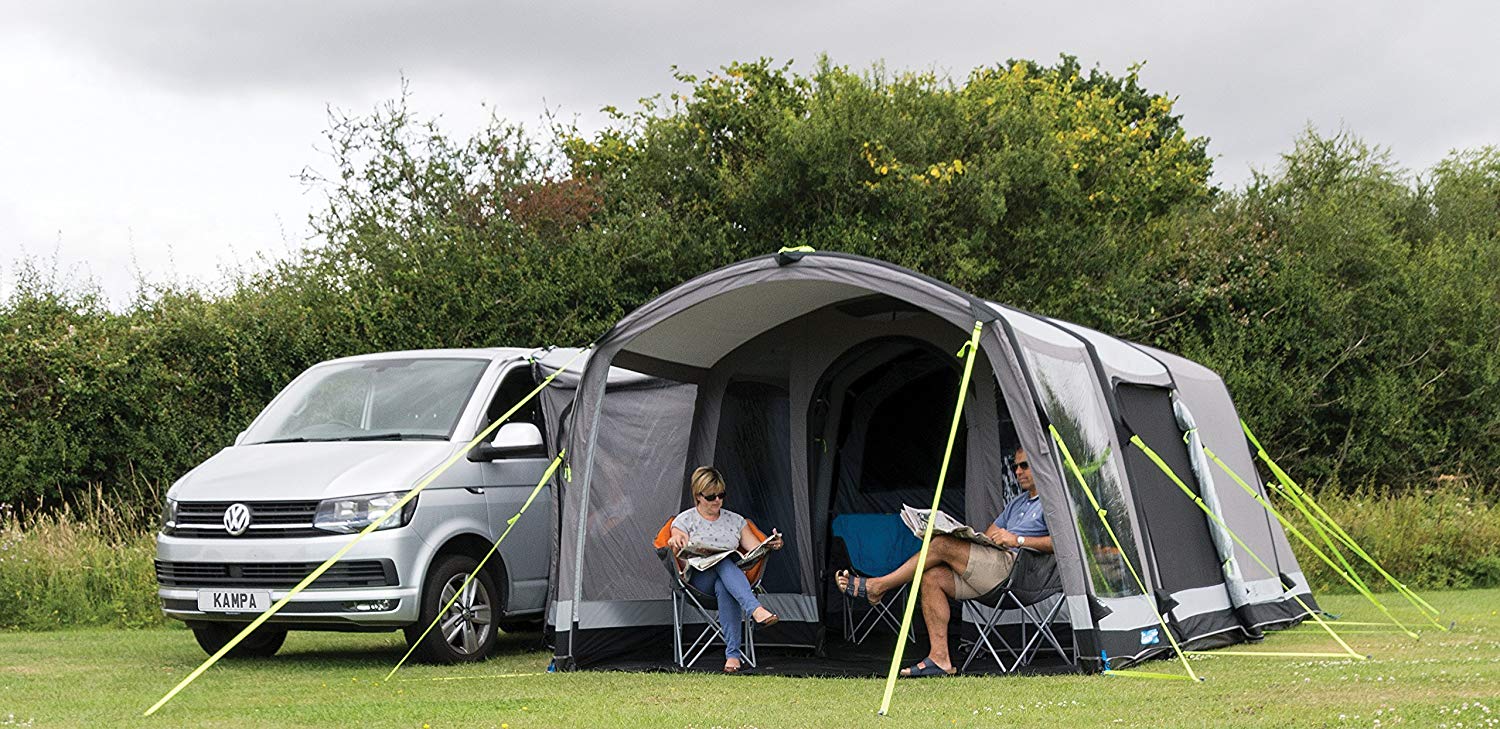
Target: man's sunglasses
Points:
(711, 497)
(1023, 466)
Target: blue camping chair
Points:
(875, 544)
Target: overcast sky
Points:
(161, 139)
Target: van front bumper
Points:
(392, 605)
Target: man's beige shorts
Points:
(987, 568)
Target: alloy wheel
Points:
(467, 624)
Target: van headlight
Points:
(169, 516)
(353, 513)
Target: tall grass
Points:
(1446, 537)
(83, 564)
(90, 563)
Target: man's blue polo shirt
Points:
(1023, 517)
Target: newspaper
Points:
(703, 557)
(916, 520)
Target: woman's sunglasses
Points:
(711, 497)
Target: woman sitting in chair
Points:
(710, 524)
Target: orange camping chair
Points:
(687, 600)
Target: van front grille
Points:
(276, 575)
(268, 519)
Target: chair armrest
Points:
(669, 560)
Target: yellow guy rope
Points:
(1136, 440)
(1270, 654)
(551, 468)
(1305, 541)
(1295, 494)
(1148, 674)
(395, 509)
(1145, 594)
(969, 352)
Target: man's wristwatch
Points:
(1020, 541)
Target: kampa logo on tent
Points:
(1151, 636)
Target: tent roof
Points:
(703, 333)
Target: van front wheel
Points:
(263, 643)
(466, 631)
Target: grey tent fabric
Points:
(1268, 594)
(1142, 403)
(1234, 580)
(814, 383)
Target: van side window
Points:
(517, 383)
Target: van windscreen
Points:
(387, 399)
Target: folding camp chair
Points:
(1032, 581)
(872, 544)
(687, 600)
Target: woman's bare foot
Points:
(844, 578)
(764, 618)
(731, 665)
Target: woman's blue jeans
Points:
(727, 582)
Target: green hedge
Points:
(1442, 538)
(1353, 308)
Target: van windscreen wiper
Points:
(396, 436)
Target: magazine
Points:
(703, 557)
(916, 520)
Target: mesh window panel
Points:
(1070, 396)
(638, 483)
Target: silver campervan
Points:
(335, 449)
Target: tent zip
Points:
(375, 524)
(969, 353)
(1358, 585)
(1138, 443)
(1295, 493)
(509, 524)
(1146, 594)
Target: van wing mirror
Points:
(238, 439)
(513, 440)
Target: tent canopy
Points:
(823, 384)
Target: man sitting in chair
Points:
(960, 570)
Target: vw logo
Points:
(236, 519)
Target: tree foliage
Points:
(1353, 309)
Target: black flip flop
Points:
(855, 587)
(923, 669)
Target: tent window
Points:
(1069, 394)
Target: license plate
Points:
(233, 601)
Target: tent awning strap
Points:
(971, 347)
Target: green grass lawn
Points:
(108, 677)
